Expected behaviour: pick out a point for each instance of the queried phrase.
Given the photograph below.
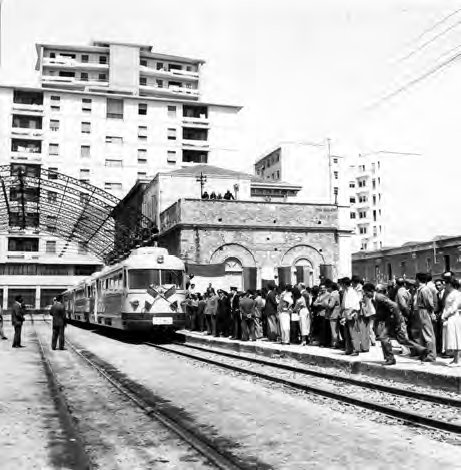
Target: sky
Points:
(302, 70)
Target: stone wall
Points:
(263, 236)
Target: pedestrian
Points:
(451, 318)
(2, 334)
(211, 309)
(390, 324)
(201, 313)
(193, 306)
(363, 315)
(304, 318)
(258, 317)
(235, 314)
(223, 314)
(350, 308)
(294, 321)
(247, 313)
(321, 324)
(334, 313)
(17, 319)
(285, 310)
(58, 313)
(270, 311)
(424, 314)
(228, 195)
(439, 307)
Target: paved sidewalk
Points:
(30, 434)
(408, 370)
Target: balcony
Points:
(197, 122)
(25, 156)
(35, 134)
(172, 90)
(195, 144)
(73, 82)
(173, 73)
(67, 62)
(30, 109)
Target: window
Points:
(86, 127)
(362, 183)
(52, 55)
(52, 197)
(142, 109)
(351, 184)
(22, 244)
(114, 108)
(362, 230)
(50, 246)
(142, 132)
(362, 215)
(362, 199)
(52, 173)
(335, 160)
(55, 98)
(54, 125)
(113, 163)
(373, 183)
(85, 151)
(159, 83)
(142, 174)
(335, 173)
(55, 108)
(172, 111)
(84, 76)
(374, 216)
(86, 104)
(143, 62)
(85, 58)
(102, 77)
(446, 261)
(112, 186)
(171, 157)
(375, 231)
(353, 214)
(113, 139)
(374, 200)
(194, 156)
(84, 175)
(103, 59)
(352, 200)
(364, 245)
(142, 156)
(143, 278)
(160, 66)
(53, 149)
(171, 133)
(143, 81)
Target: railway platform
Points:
(408, 370)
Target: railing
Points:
(27, 131)
(172, 89)
(169, 73)
(196, 143)
(38, 108)
(63, 61)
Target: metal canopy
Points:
(43, 200)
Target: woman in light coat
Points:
(451, 318)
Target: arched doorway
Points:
(234, 273)
(303, 272)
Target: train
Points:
(143, 293)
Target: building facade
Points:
(107, 114)
(435, 256)
(375, 194)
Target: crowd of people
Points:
(350, 314)
(228, 196)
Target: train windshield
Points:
(173, 277)
(143, 278)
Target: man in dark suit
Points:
(390, 324)
(247, 312)
(234, 301)
(17, 319)
(58, 313)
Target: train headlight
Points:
(134, 304)
(160, 259)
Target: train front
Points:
(155, 291)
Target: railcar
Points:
(144, 292)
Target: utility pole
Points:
(202, 180)
(330, 181)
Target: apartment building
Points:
(375, 193)
(310, 165)
(107, 114)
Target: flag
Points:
(174, 306)
(152, 292)
(171, 291)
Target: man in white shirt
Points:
(350, 308)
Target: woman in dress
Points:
(451, 318)
(286, 302)
(304, 319)
(270, 312)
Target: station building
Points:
(252, 240)
(434, 256)
(107, 114)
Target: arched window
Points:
(303, 272)
(234, 273)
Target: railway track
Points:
(392, 401)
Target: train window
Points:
(124, 279)
(143, 278)
(173, 277)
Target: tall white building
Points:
(107, 114)
(375, 192)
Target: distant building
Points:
(434, 256)
(322, 176)
(375, 197)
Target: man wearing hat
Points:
(390, 324)
(17, 319)
(235, 326)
